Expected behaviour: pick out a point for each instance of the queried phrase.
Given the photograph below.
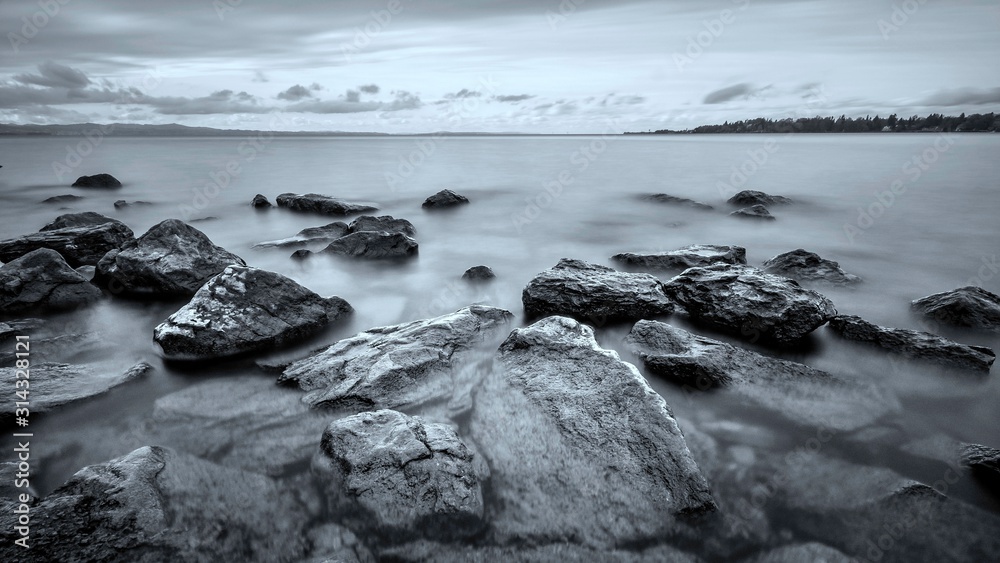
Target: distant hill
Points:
(142, 130)
(935, 122)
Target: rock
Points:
(85, 219)
(749, 302)
(54, 385)
(674, 200)
(333, 543)
(244, 310)
(984, 463)
(970, 306)
(122, 204)
(171, 259)
(416, 364)
(914, 344)
(12, 328)
(385, 223)
(374, 245)
(41, 280)
(84, 245)
(97, 181)
(203, 219)
(301, 254)
(400, 477)
(430, 552)
(798, 392)
(444, 198)
(594, 293)
(309, 235)
(479, 273)
(749, 198)
(806, 266)
(579, 446)
(687, 257)
(316, 203)
(62, 198)
(155, 504)
(800, 552)
(754, 212)
(260, 202)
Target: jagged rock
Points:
(42, 280)
(84, 219)
(748, 198)
(969, 306)
(674, 200)
(687, 257)
(431, 552)
(385, 223)
(410, 365)
(444, 198)
(155, 504)
(97, 181)
(62, 198)
(914, 344)
(371, 244)
(260, 202)
(400, 477)
(479, 273)
(594, 293)
(54, 385)
(805, 266)
(798, 392)
(316, 203)
(749, 302)
(984, 463)
(326, 233)
(579, 446)
(754, 212)
(243, 310)
(83, 245)
(171, 259)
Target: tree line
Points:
(935, 122)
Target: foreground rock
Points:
(242, 310)
(799, 553)
(155, 504)
(479, 273)
(580, 447)
(400, 477)
(316, 203)
(417, 364)
(83, 245)
(325, 233)
(260, 202)
(431, 552)
(674, 200)
(385, 223)
(171, 259)
(687, 257)
(444, 198)
(749, 198)
(984, 463)
(55, 385)
(42, 280)
(807, 266)
(970, 306)
(97, 181)
(594, 293)
(800, 393)
(84, 219)
(914, 344)
(754, 212)
(375, 245)
(749, 302)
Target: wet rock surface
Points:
(748, 198)
(42, 280)
(759, 212)
(97, 181)
(317, 203)
(479, 273)
(969, 306)
(984, 463)
(309, 235)
(79, 245)
(687, 257)
(84, 219)
(373, 245)
(805, 266)
(443, 199)
(384, 223)
(260, 202)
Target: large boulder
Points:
(749, 302)
(316, 203)
(83, 245)
(171, 259)
(54, 385)
(415, 364)
(914, 344)
(579, 446)
(400, 477)
(385, 223)
(309, 235)
(243, 310)
(680, 201)
(970, 306)
(805, 266)
(748, 198)
(688, 257)
(594, 293)
(444, 198)
(795, 391)
(375, 245)
(43, 280)
(754, 212)
(84, 219)
(97, 181)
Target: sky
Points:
(528, 66)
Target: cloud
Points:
(728, 93)
(258, 76)
(352, 96)
(369, 89)
(629, 100)
(55, 75)
(404, 100)
(463, 93)
(295, 93)
(315, 86)
(963, 96)
(513, 99)
(223, 101)
(350, 103)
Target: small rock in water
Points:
(687, 257)
(62, 198)
(806, 266)
(122, 204)
(970, 306)
(371, 244)
(385, 223)
(748, 198)
(479, 273)
(97, 181)
(754, 212)
(316, 203)
(674, 200)
(444, 198)
(302, 254)
(260, 202)
(42, 280)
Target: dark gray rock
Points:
(984, 463)
(579, 446)
(805, 266)
(97, 181)
(171, 259)
(444, 198)
(594, 293)
(244, 310)
(914, 344)
(54, 385)
(301, 254)
(748, 198)
(62, 198)
(122, 204)
(479, 273)
(687, 257)
(325, 233)
(374, 245)
(316, 203)
(84, 219)
(385, 223)
(400, 477)
(674, 200)
(260, 202)
(14, 327)
(754, 212)
(969, 306)
(84, 245)
(41, 280)
(416, 364)
(431, 552)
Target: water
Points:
(938, 233)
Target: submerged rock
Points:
(325, 233)
(172, 258)
(748, 198)
(479, 273)
(62, 198)
(83, 245)
(444, 198)
(687, 257)
(754, 212)
(97, 181)
(579, 446)
(749, 302)
(384, 223)
(914, 344)
(42, 280)
(260, 202)
(674, 200)
(594, 293)
(316, 203)
(805, 266)
(122, 204)
(970, 306)
(371, 244)
(54, 385)
(84, 219)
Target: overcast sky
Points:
(534, 66)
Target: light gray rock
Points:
(54, 385)
(444, 198)
(969, 306)
(754, 212)
(384, 223)
(687, 257)
(316, 203)
(748, 198)
(374, 245)
(42, 280)
(804, 266)
(82, 245)
(325, 233)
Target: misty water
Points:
(536, 200)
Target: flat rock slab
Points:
(384, 223)
(805, 266)
(748, 198)
(688, 257)
(83, 245)
(400, 477)
(243, 310)
(54, 385)
(680, 201)
(42, 280)
(415, 364)
(444, 198)
(325, 233)
(749, 302)
(754, 212)
(579, 446)
(374, 245)
(795, 391)
(317, 203)
(594, 293)
(970, 306)
(914, 344)
(97, 181)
